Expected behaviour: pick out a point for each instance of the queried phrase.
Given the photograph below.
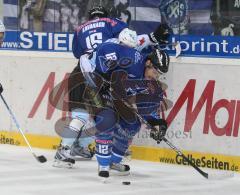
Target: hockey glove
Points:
(160, 35)
(158, 135)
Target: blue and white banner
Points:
(42, 41)
(211, 46)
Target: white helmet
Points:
(128, 37)
(2, 27)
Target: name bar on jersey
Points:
(93, 26)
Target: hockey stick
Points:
(41, 159)
(78, 136)
(215, 176)
(178, 49)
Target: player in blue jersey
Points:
(116, 123)
(86, 38)
(96, 31)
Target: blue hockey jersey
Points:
(112, 56)
(92, 33)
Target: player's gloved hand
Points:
(160, 35)
(158, 135)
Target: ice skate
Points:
(119, 169)
(80, 153)
(63, 158)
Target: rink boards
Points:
(204, 119)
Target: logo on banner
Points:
(175, 14)
(237, 4)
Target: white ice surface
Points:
(21, 174)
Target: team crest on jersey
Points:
(175, 13)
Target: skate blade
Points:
(81, 158)
(118, 173)
(104, 180)
(62, 164)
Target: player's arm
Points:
(150, 112)
(159, 36)
(143, 42)
(159, 61)
(76, 47)
(117, 26)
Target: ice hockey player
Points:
(115, 122)
(2, 32)
(86, 38)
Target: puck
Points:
(126, 182)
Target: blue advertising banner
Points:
(210, 46)
(192, 45)
(42, 41)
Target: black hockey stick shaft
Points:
(41, 158)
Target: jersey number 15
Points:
(94, 40)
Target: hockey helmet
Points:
(160, 60)
(97, 11)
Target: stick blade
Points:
(178, 49)
(41, 159)
(204, 174)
